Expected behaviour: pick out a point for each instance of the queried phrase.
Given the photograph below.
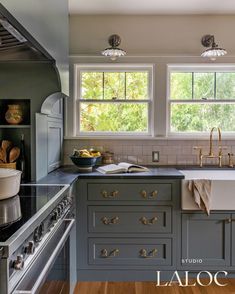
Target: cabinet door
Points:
(55, 139)
(205, 239)
(233, 239)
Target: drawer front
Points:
(129, 219)
(128, 192)
(130, 252)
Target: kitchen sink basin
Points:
(222, 189)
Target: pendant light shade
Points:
(114, 52)
(214, 51)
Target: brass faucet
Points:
(211, 151)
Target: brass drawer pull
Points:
(112, 194)
(113, 221)
(152, 195)
(143, 253)
(143, 194)
(105, 254)
(146, 221)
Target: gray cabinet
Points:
(49, 144)
(129, 219)
(205, 240)
(233, 239)
(55, 141)
(126, 252)
(131, 192)
(126, 224)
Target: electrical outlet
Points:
(155, 156)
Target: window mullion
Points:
(103, 85)
(192, 85)
(215, 94)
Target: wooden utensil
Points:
(14, 154)
(2, 155)
(5, 147)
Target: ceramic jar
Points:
(14, 114)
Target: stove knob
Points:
(62, 204)
(54, 216)
(38, 232)
(66, 202)
(18, 264)
(30, 248)
(59, 210)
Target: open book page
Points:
(132, 167)
(111, 169)
(122, 167)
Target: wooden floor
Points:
(149, 288)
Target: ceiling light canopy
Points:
(214, 51)
(114, 52)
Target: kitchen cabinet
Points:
(233, 238)
(205, 240)
(49, 144)
(126, 224)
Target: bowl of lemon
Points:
(84, 159)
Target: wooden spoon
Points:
(5, 146)
(14, 154)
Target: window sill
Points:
(192, 137)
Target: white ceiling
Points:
(152, 6)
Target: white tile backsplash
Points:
(172, 152)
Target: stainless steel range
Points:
(36, 252)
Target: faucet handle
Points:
(230, 157)
(222, 148)
(198, 148)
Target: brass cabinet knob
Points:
(112, 194)
(146, 221)
(145, 254)
(105, 254)
(113, 221)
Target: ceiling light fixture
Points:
(114, 52)
(214, 50)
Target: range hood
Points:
(16, 43)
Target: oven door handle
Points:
(50, 261)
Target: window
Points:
(201, 98)
(114, 99)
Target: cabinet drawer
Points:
(129, 219)
(113, 252)
(128, 192)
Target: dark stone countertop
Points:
(68, 174)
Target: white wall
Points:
(158, 40)
(161, 35)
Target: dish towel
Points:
(201, 191)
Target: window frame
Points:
(104, 67)
(219, 68)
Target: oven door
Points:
(54, 269)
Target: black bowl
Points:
(84, 161)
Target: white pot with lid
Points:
(9, 182)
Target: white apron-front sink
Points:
(222, 189)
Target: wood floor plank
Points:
(150, 288)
